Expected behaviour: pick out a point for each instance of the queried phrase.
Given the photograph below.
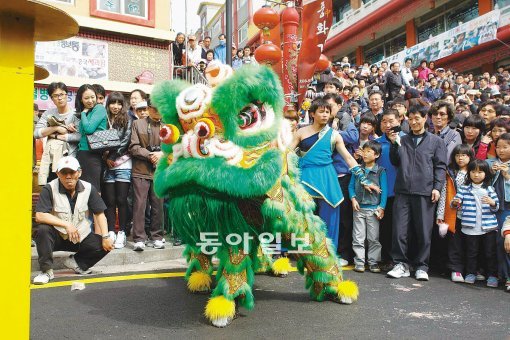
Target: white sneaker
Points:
(480, 277)
(139, 246)
(158, 244)
(457, 277)
(421, 275)
(44, 278)
(70, 263)
(112, 236)
(344, 263)
(398, 271)
(120, 241)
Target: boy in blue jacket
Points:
(368, 210)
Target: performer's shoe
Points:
(220, 311)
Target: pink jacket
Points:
(424, 73)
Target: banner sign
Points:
(74, 57)
(317, 19)
(463, 37)
(43, 100)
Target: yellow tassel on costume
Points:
(220, 307)
(347, 291)
(199, 282)
(281, 266)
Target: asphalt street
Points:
(162, 308)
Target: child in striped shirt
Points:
(478, 203)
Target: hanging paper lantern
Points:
(322, 63)
(268, 53)
(266, 18)
(290, 15)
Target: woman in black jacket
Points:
(178, 47)
(117, 177)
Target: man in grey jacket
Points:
(421, 162)
(60, 125)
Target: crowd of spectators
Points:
(436, 144)
(421, 159)
(122, 176)
(200, 53)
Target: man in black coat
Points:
(394, 82)
(420, 158)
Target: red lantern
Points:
(322, 63)
(266, 18)
(268, 53)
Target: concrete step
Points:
(120, 257)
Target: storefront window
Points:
(339, 9)
(501, 3)
(430, 28)
(462, 14)
(125, 7)
(242, 34)
(396, 45)
(139, 12)
(375, 54)
(446, 17)
(386, 46)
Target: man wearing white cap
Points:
(142, 110)
(62, 214)
(194, 51)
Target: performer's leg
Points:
(234, 281)
(323, 272)
(289, 210)
(199, 270)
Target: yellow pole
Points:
(16, 89)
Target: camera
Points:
(154, 148)
(396, 129)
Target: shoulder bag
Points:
(105, 139)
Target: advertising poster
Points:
(74, 57)
(461, 38)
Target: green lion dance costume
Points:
(227, 175)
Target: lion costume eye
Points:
(193, 101)
(255, 116)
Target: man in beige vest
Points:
(64, 222)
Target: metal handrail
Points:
(190, 74)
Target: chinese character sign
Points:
(74, 57)
(318, 18)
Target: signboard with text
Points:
(463, 37)
(43, 100)
(74, 57)
(319, 18)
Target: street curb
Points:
(119, 257)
